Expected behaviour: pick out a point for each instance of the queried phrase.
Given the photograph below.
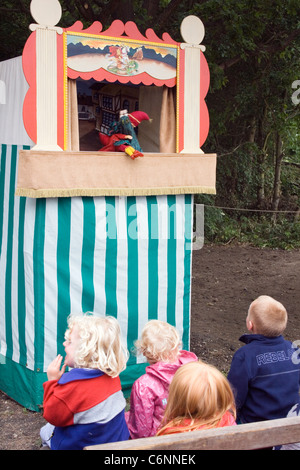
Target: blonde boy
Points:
(266, 316)
(85, 406)
(263, 376)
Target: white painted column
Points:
(192, 31)
(47, 13)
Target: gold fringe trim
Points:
(90, 192)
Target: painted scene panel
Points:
(121, 57)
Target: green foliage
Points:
(224, 227)
(14, 31)
(255, 51)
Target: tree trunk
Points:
(277, 174)
(251, 130)
(261, 183)
(261, 142)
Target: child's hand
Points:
(53, 371)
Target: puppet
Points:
(122, 136)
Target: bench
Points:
(259, 435)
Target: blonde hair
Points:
(268, 316)
(100, 345)
(198, 392)
(159, 341)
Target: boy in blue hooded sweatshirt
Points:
(264, 374)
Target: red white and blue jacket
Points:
(86, 407)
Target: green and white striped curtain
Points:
(126, 257)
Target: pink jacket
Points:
(149, 395)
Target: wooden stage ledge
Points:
(65, 174)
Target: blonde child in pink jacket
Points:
(160, 344)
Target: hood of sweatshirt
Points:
(164, 371)
(248, 338)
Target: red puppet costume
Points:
(112, 143)
(118, 141)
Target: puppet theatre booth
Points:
(105, 231)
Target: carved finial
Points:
(192, 31)
(46, 13)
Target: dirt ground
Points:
(225, 281)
